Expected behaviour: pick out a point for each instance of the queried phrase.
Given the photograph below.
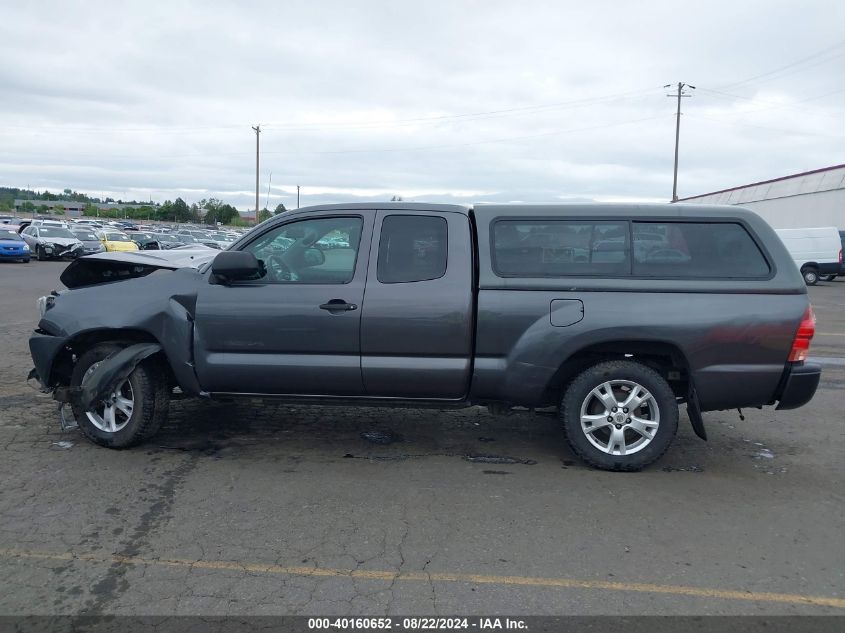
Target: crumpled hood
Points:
(61, 241)
(117, 266)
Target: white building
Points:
(813, 198)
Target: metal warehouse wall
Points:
(825, 208)
(814, 198)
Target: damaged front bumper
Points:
(44, 348)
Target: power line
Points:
(772, 104)
(791, 65)
(770, 129)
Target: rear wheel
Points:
(133, 412)
(619, 415)
(828, 278)
(811, 276)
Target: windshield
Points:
(117, 237)
(85, 235)
(9, 235)
(142, 236)
(49, 231)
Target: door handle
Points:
(338, 305)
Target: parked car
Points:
(49, 222)
(146, 241)
(13, 246)
(90, 242)
(201, 237)
(50, 242)
(816, 251)
(168, 241)
(116, 241)
(472, 318)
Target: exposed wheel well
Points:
(665, 358)
(78, 345)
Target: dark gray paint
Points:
(416, 338)
(422, 340)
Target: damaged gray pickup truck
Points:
(614, 314)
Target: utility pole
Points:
(297, 196)
(679, 95)
(257, 129)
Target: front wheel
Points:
(133, 412)
(619, 415)
(40, 254)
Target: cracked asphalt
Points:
(252, 507)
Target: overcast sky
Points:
(462, 101)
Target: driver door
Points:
(295, 331)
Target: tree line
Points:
(207, 210)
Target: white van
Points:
(817, 251)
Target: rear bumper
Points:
(830, 269)
(799, 385)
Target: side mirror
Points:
(313, 257)
(235, 265)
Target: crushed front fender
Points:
(110, 373)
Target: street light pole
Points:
(257, 129)
(297, 196)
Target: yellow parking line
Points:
(483, 579)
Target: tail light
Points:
(840, 256)
(801, 343)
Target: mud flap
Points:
(111, 372)
(694, 413)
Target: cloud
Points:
(437, 101)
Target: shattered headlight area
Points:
(45, 303)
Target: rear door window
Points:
(696, 250)
(412, 248)
(554, 248)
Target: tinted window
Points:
(552, 248)
(317, 251)
(690, 249)
(412, 248)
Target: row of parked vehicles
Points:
(59, 239)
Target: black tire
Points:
(151, 396)
(25, 261)
(828, 278)
(810, 275)
(579, 389)
(40, 255)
